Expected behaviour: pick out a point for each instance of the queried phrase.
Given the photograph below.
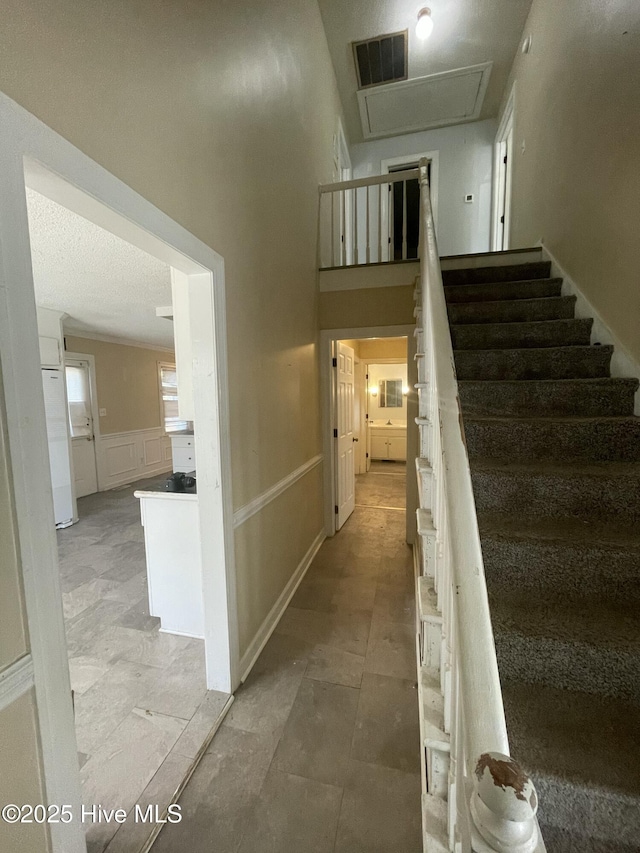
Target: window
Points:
(79, 399)
(169, 398)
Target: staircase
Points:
(555, 459)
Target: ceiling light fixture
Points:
(424, 27)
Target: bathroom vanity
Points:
(388, 442)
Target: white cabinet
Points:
(183, 452)
(388, 443)
(50, 355)
(174, 567)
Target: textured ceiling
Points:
(466, 32)
(103, 283)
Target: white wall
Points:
(386, 371)
(465, 166)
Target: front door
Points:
(346, 486)
(83, 445)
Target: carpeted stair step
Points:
(561, 559)
(537, 288)
(587, 645)
(512, 272)
(545, 333)
(597, 492)
(581, 751)
(589, 398)
(512, 310)
(576, 362)
(555, 439)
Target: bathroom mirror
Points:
(390, 394)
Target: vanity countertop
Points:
(387, 426)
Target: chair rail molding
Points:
(260, 502)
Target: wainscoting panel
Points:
(125, 457)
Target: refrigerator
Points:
(55, 406)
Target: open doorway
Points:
(400, 205)
(370, 423)
(80, 186)
(502, 179)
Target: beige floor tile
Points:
(200, 725)
(221, 794)
(293, 814)
(181, 687)
(380, 811)
(85, 671)
(122, 768)
(387, 729)
(346, 631)
(335, 666)
(159, 793)
(392, 649)
(317, 738)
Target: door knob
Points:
(355, 439)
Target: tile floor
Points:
(141, 704)
(320, 750)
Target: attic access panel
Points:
(381, 60)
(437, 100)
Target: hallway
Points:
(320, 750)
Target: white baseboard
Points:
(126, 457)
(275, 614)
(622, 362)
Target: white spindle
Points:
(404, 220)
(344, 227)
(332, 197)
(368, 232)
(355, 225)
(379, 223)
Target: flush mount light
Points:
(424, 27)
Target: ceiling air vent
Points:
(381, 60)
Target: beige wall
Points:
(21, 771)
(13, 630)
(373, 306)
(223, 115)
(577, 184)
(127, 383)
(383, 348)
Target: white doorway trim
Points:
(33, 154)
(503, 177)
(405, 160)
(328, 398)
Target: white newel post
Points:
(503, 805)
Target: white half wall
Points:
(465, 166)
(125, 457)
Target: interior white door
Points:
(83, 445)
(346, 491)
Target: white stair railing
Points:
(475, 797)
(359, 225)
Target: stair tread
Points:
(501, 302)
(516, 281)
(562, 321)
(568, 530)
(599, 381)
(546, 419)
(586, 739)
(569, 347)
(591, 621)
(595, 469)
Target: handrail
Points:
(373, 181)
(495, 802)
